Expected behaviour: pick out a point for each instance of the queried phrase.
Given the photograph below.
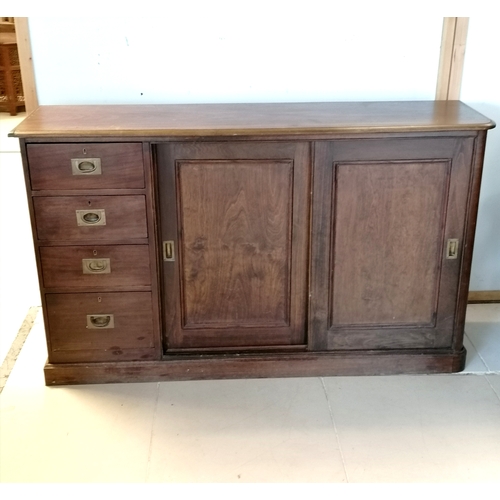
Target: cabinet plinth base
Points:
(257, 366)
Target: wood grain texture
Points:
(351, 325)
(258, 366)
(153, 244)
(471, 209)
(387, 242)
(56, 218)
(452, 56)
(239, 217)
(104, 355)
(230, 120)
(258, 275)
(484, 297)
(121, 164)
(9, 75)
(236, 250)
(26, 63)
(67, 319)
(62, 266)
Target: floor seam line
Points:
(478, 353)
(332, 418)
(492, 388)
(148, 465)
(17, 345)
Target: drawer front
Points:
(100, 321)
(81, 218)
(86, 166)
(89, 266)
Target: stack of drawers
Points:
(95, 250)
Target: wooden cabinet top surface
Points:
(226, 120)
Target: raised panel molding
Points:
(235, 249)
(388, 234)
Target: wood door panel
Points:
(235, 251)
(383, 211)
(238, 213)
(387, 242)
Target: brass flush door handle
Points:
(86, 166)
(452, 248)
(168, 251)
(100, 321)
(96, 266)
(95, 217)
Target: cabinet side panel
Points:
(388, 235)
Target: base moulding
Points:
(234, 366)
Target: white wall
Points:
(234, 55)
(481, 89)
(219, 51)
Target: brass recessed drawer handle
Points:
(96, 266)
(95, 217)
(100, 321)
(91, 218)
(86, 166)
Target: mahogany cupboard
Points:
(253, 240)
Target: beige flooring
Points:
(361, 430)
(391, 429)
